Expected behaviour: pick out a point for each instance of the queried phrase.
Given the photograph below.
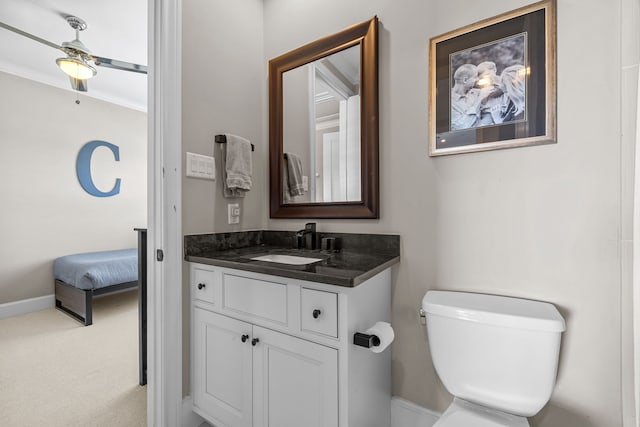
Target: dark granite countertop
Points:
(360, 257)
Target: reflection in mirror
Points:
(321, 129)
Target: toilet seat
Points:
(466, 414)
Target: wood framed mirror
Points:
(323, 127)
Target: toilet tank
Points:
(495, 351)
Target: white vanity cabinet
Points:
(222, 383)
(270, 351)
(246, 366)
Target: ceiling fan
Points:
(77, 63)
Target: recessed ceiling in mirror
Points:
(321, 130)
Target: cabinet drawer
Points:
(319, 312)
(255, 298)
(202, 284)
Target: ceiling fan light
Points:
(76, 68)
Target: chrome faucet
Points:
(306, 238)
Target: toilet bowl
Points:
(498, 356)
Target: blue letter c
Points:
(83, 168)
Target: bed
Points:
(80, 277)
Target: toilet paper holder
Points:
(366, 340)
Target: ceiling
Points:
(116, 29)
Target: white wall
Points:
(544, 222)
(45, 212)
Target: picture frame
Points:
(493, 83)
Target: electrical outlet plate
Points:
(233, 210)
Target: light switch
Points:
(199, 166)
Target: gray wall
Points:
(297, 126)
(630, 56)
(225, 93)
(45, 212)
(548, 222)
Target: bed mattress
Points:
(95, 270)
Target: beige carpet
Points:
(56, 372)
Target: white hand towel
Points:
(229, 193)
(238, 166)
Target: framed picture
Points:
(493, 83)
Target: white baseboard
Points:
(403, 414)
(190, 418)
(408, 414)
(25, 306)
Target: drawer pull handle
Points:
(244, 338)
(201, 286)
(255, 341)
(316, 313)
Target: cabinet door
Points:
(295, 382)
(222, 382)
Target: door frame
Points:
(164, 216)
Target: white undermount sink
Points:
(286, 259)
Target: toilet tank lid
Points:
(494, 310)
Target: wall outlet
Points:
(233, 210)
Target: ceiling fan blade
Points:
(31, 36)
(119, 65)
(79, 85)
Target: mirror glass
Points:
(323, 127)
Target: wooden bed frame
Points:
(78, 302)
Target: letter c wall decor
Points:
(83, 168)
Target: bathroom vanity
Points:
(272, 343)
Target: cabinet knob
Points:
(201, 286)
(244, 338)
(316, 313)
(255, 341)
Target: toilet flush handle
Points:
(423, 317)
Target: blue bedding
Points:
(95, 270)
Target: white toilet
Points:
(498, 356)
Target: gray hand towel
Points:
(236, 166)
(293, 174)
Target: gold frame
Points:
(528, 132)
